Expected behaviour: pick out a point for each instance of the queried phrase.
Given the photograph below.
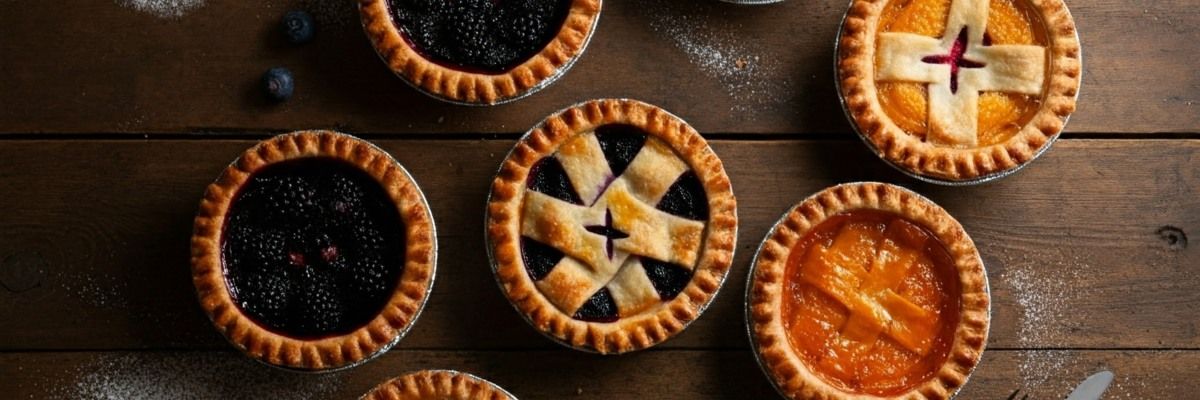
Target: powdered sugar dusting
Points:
(1044, 297)
(153, 376)
(163, 8)
(747, 75)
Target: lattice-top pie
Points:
(611, 225)
(959, 90)
(868, 290)
(479, 51)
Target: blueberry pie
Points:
(611, 225)
(479, 51)
(959, 90)
(313, 251)
(868, 290)
(437, 385)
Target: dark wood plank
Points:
(94, 241)
(558, 374)
(96, 66)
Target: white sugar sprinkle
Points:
(153, 376)
(748, 76)
(1044, 299)
(163, 8)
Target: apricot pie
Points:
(958, 90)
(437, 385)
(611, 225)
(313, 251)
(479, 51)
(868, 290)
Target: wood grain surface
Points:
(92, 66)
(559, 374)
(1072, 244)
(113, 121)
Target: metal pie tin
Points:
(750, 283)
(544, 83)
(700, 309)
(837, 82)
(421, 307)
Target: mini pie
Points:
(437, 385)
(314, 250)
(611, 226)
(479, 51)
(864, 291)
(959, 90)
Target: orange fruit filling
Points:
(1001, 115)
(871, 301)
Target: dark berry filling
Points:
(312, 248)
(488, 36)
(599, 308)
(620, 144)
(548, 177)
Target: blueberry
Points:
(278, 83)
(298, 26)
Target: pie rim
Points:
(643, 330)
(427, 384)
(855, 76)
(470, 88)
(786, 370)
(330, 353)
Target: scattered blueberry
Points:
(278, 83)
(298, 26)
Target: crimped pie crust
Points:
(856, 74)
(658, 323)
(328, 353)
(437, 385)
(479, 88)
(767, 334)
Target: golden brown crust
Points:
(856, 78)
(332, 352)
(437, 385)
(477, 88)
(657, 323)
(785, 368)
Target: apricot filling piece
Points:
(1001, 114)
(871, 302)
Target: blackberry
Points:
(312, 247)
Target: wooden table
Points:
(113, 120)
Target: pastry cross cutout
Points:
(608, 232)
(604, 240)
(869, 293)
(957, 67)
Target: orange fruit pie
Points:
(959, 90)
(866, 289)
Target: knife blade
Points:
(1092, 387)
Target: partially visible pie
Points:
(868, 290)
(313, 251)
(611, 226)
(479, 51)
(437, 385)
(959, 90)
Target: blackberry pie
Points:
(313, 251)
(479, 51)
(611, 226)
(868, 291)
